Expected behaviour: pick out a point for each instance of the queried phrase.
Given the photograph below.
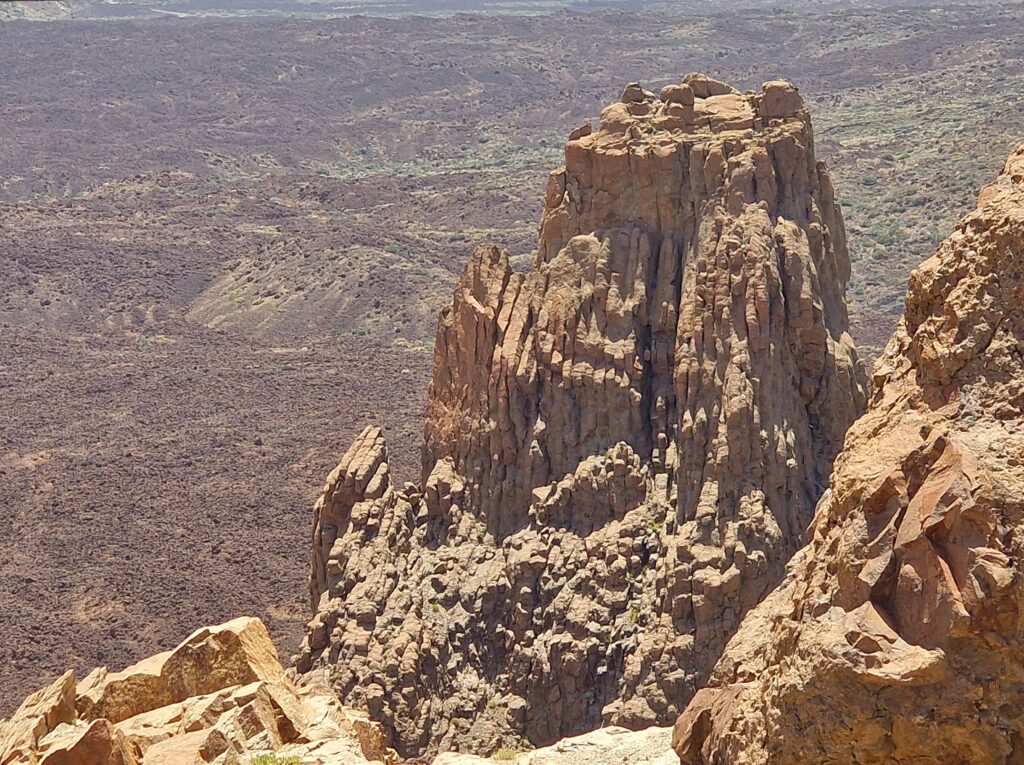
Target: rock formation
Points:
(623, 447)
(220, 697)
(896, 635)
(606, 746)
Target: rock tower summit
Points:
(623, 446)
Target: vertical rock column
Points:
(623, 446)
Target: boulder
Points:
(38, 715)
(220, 697)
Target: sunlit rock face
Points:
(896, 635)
(623, 446)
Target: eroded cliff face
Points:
(896, 636)
(623, 447)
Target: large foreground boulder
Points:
(897, 636)
(221, 697)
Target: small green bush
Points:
(273, 759)
(505, 755)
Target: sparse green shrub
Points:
(505, 754)
(273, 759)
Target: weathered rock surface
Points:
(623, 448)
(896, 635)
(219, 697)
(606, 746)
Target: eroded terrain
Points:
(224, 244)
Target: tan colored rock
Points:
(896, 635)
(707, 87)
(726, 112)
(780, 100)
(634, 93)
(680, 94)
(607, 746)
(150, 715)
(624, 445)
(97, 742)
(40, 714)
(212, 658)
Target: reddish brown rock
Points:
(896, 635)
(624, 445)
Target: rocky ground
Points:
(222, 253)
(605, 746)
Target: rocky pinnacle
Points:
(623, 446)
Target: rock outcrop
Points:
(623, 446)
(220, 697)
(606, 746)
(896, 636)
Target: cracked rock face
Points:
(896, 635)
(623, 446)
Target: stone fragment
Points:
(706, 87)
(780, 100)
(634, 93)
(148, 714)
(235, 653)
(677, 94)
(40, 714)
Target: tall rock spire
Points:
(623, 446)
(896, 635)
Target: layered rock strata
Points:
(623, 446)
(221, 697)
(896, 636)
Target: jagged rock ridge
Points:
(220, 697)
(896, 636)
(623, 446)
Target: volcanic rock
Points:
(607, 746)
(623, 446)
(220, 697)
(896, 635)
